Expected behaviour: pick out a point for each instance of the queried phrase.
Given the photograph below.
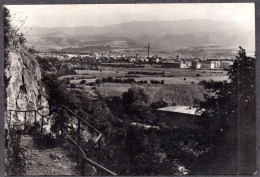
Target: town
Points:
(112, 59)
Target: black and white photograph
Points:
(130, 89)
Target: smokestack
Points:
(148, 49)
(173, 52)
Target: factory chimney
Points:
(148, 49)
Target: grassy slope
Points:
(180, 94)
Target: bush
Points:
(155, 82)
(15, 154)
(91, 84)
(83, 82)
(72, 86)
(198, 75)
(98, 81)
(184, 78)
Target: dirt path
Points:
(47, 161)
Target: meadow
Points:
(179, 94)
(179, 86)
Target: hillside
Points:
(162, 34)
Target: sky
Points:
(106, 14)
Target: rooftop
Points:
(181, 109)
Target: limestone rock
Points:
(25, 90)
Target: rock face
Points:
(25, 90)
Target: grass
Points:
(180, 94)
(171, 75)
(180, 85)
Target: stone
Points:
(40, 163)
(55, 156)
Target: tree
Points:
(135, 95)
(7, 38)
(228, 119)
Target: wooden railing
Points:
(9, 116)
(81, 122)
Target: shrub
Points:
(91, 84)
(15, 154)
(184, 78)
(72, 86)
(83, 82)
(98, 81)
(155, 82)
(198, 75)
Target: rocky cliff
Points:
(24, 90)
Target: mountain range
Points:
(162, 35)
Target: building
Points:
(207, 64)
(178, 116)
(217, 64)
(173, 65)
(196, 65)
(132, 59)
(226, 64)
(188, 63)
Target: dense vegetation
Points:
(125, 148)
(228, 122)
(133, 150)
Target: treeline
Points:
(110, 79)
(123, 65)
(144, 72)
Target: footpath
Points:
(46, 161)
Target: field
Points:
(179, 86)
(169, 75)
(175, 93)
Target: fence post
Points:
(35, 117)
(83, 167)
(24, 123)
(10, 118)
(99, 146)
(78, 141)
(61, 131)
(16, 113)
(41, 131)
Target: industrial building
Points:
(178, 116)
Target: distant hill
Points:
(161, 34)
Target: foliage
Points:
(72, 85)
(228, 122)
(110, 79)
(15, 154)
(7, 38)
(162, 103)
(55, 89)
(83, 82)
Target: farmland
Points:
(169, 75)
(179, 94)
(179, 86)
